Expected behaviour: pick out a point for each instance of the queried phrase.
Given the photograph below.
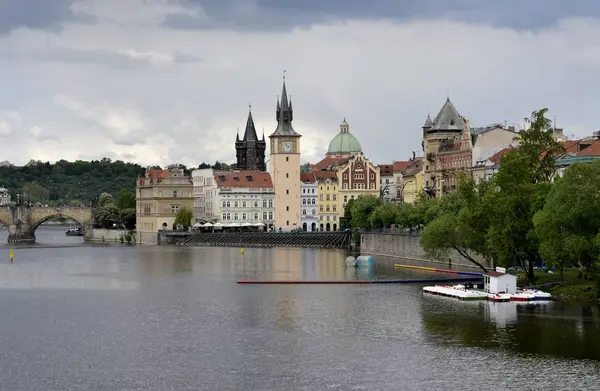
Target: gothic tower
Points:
(250, 151)
(285, 166)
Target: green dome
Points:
(344, 141)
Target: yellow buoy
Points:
(11, 255)
(241, 250)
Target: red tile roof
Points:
(592, 150)
(495, 274)
(571, 146)
(323, 175)
(401, 166)
(414, 167)
(154, 176)
(251, 179)
(307, 177)
(326, 163)
(497, 157)
(386, 170)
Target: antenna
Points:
(284, 71)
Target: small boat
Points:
(538, 295)
(499, 297)
(75, 231)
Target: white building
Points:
(498, 281)
(4, 196)
(233, 197)
(308, 200)
(206, 208)
(387, 182)
(490, 140)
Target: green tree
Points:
(383, 215)
(569, 223)
(107, 215)
(105, 199)
(184, 217)
(127, 217)
(125, 199)
(361, 210)
(34, 192)
(348, 213)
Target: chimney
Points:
(414, 155)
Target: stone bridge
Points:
(23, 220)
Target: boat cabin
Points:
(499, 282)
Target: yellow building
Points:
(412, 181)
(284, 167)
(328, 209)
(160, 194)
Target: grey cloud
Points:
(282, 15)
(38, 14)
(112, 59)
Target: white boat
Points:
(538, 295)
(456, 291)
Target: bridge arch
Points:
(69, 216)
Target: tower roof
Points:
(250, 132)
(285, 115)
(428, 122)
(448, 118)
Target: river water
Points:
(99, 317)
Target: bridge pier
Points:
(17, 233)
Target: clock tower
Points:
(284, 166)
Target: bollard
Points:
(11, 254)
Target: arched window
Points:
(235, 216)
(304, 212)
(270, 215)
(235, 204)
(255, 216)
(256, 204)
(228, 204)
(244, 204)
(264, 215)
(224, 204)
(304, 201)
(270, 203)
(224, 216)
(314, 212)
(243, 216)
(264, 203)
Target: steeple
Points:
(285, 115)
(250, 132)
(428, 123)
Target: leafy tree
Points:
(348, 213)
(107, 215)
(125, 199)
(34, 192)
(184, 217)
(127, 217)
(383, 215)
(569, 223)
(105, 199)
(361, 210)
(203, 166)
(305, 167)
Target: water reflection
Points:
(553, 328)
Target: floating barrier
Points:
(432, 269)
(364, 282)
(365, 261)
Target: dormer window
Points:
(175, 194)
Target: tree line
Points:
(522, 216)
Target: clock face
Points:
(286, 147)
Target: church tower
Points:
(284, 166)
(250, 151)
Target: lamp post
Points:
(384, 191)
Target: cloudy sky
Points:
(164, 81)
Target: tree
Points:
(105, 199)
(127, 217)
(569, 223)
(348, 213)
(184, 217)
(125, 199)
(361, 210)
(107, 215)
(34, 192)
(305, 167)
(383, 216)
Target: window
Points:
(303, 191)
(327, 208)
(321, 208)
(235, 216)
(345, 199)
(321, 197)
(327, 197)
(224, 216)
(287, 158)
(264, 215)
(372, 185)
(244, 204)
(175, 194)
(264, 203)
(304, 212)
(314, 201)
(287, 175)
(270, 203)
(287, 192)
(174, 209)
(243, 216)
(256, 204)
(228, 216)
(270, 215)
(334, 218)
(304, 202)
(255, 216)
(287, 208)
(313, 191)
(335, 197)
(287, 222)
(345, 186)
(314, 212)
(228, 204)
(345, 176)
(334, 208)
(235, 204)
(372, 176)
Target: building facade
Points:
(245, 197)
(448, 150)
(357, 177)
(4, 197)
(328, 200)
(205, 190)
(412, 180)
(399, 183)
(490, 140)
(387, 183)
(284, 167)
(160, 194)
(309, 196)
(250, 151)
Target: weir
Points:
(338, 240)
